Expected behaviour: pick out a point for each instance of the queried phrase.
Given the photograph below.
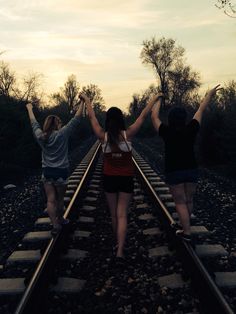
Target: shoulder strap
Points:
(125, 140)
(105, 142)
(105, 137)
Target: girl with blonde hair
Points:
(53, 140)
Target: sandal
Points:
(120, 261)
(185, 237)
(55, 230)
(64, 221)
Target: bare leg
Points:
(178, 193)
(190, 189)
(51, 202)
(123, 203)
(112, 203)
(60, 193)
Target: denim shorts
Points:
(55, 176)
(182, 176)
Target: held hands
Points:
(84, 97)
(160, 95)
(155, 101)
(157, 97)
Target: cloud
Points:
(100, 41)
(66, 14)
(76, 5)
(7, 15)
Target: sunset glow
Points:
(100, 41)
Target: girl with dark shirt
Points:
(181, 168)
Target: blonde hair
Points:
(51, 123)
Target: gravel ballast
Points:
(21, 206)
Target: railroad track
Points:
(74, 272)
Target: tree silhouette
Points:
(182, 81)
(228, 7)
(7, 80)
(68, 94)
(177, 80)
(161, 56)
(95, 94)
(30, 88)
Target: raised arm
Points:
(155, 113)
(133, 128)
(205, 102)
(98, 130)
(80, 109)
(38, 133)
(29, 108)
(68, 129)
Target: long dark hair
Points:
(114, 124)
(177, 117)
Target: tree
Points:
(182, 81)
(56, 99)
(67, 99)
(218, 130)
(7, 80)
(95, 94)
(161, 55)
(227, 133)
(71, 91)
(140, 100)
(134, 105)
(69, 94)
(227, 96)
(137, 104)
(177, 80)
(228, 7)
(30, 88)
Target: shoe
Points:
(55, 230)
(120, 261)
(64, 221)
(114, 249)
(175, 225)
(185, 237)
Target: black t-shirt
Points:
(179, 146)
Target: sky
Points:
(100, 41)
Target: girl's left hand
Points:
(29, 106)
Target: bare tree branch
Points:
(228, 7)
(7, 80)
(2, 52)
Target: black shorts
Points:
(56, 176)
(114, 184)
(182, 176)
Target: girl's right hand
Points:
(160, 95)
(84, 97)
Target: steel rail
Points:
(32, 300)
(209, 294)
